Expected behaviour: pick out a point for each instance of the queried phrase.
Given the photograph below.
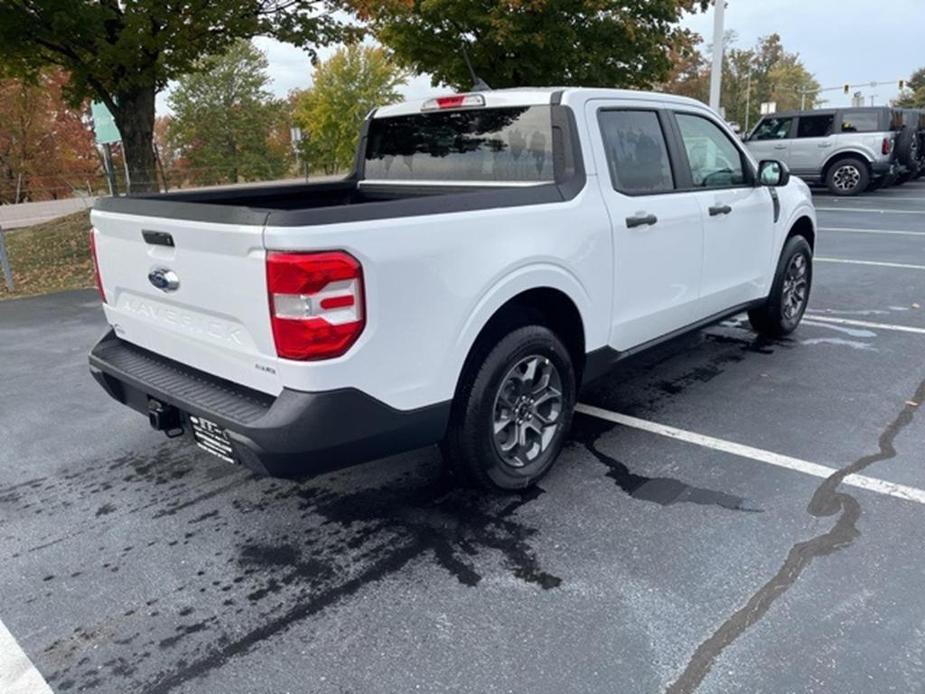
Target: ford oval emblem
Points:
(164, 279)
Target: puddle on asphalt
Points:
(665, 491)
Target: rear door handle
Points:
(641, 220)
(780, 146)
(720, 209)
(825, 144)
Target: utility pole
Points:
(748, 99)
(716, 73)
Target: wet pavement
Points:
(641, 564)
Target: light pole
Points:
(716, 73)
(748, 99)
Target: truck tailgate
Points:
(216, 319)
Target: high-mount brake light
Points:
(96, 266)
(455, 101)
(316, 303)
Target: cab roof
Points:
(534, 96)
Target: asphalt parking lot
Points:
(736, 516)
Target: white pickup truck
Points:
(489, 254)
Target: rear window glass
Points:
(636, 151)
(494, 144)
(815, 126)
(868, 122)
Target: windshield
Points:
(490, 145)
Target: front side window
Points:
(485, 144)
(864, 122)
(637, 155)
(772, 129)
(815, 126)
(714, 160)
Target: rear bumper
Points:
(882, 168)
(292, 435)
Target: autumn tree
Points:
(225, 121)
(541, 42)
(123, 52)
(344, 88)
(690, 70)
(764, 73)
(46, 148)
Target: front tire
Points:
(782, 312)
(512, 412)
(847, 177)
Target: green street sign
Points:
(104, 125)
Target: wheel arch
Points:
(803, 226)
(846, 154)
(557, 303)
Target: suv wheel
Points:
(847, 177)
(512, 412)
(786, 303)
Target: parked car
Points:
(490, 253)
(910, 148)
(845, 149)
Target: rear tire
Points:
(512, 411)
(847, 177)
(782, 312)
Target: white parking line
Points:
(877, 263)
(867, 209)
(872, 484)
(812, 315)
(873, 231)
(17, 673)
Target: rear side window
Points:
(714, 160)
(864, 122)
(815, 126)
(483, 145)
(772, 129)
(637, 155)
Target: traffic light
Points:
(902, 84)
(847, 88)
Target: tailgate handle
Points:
(157, 238)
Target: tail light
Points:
(316, 303)
(454, 101)
(886, 146)
(96, 266)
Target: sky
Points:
(839, 41)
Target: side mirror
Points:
(773, 173)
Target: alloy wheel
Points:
(846, 178)
(527, 410)
(796, 287)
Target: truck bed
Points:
(328, 202)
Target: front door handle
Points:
(720, 209)
(641, 220)
(780, 146)
(825, 144)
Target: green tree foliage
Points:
(122, 52)
(531, 42)
(913, 96)
(344, 89)
(226, 125)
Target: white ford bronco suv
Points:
(489, 254)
